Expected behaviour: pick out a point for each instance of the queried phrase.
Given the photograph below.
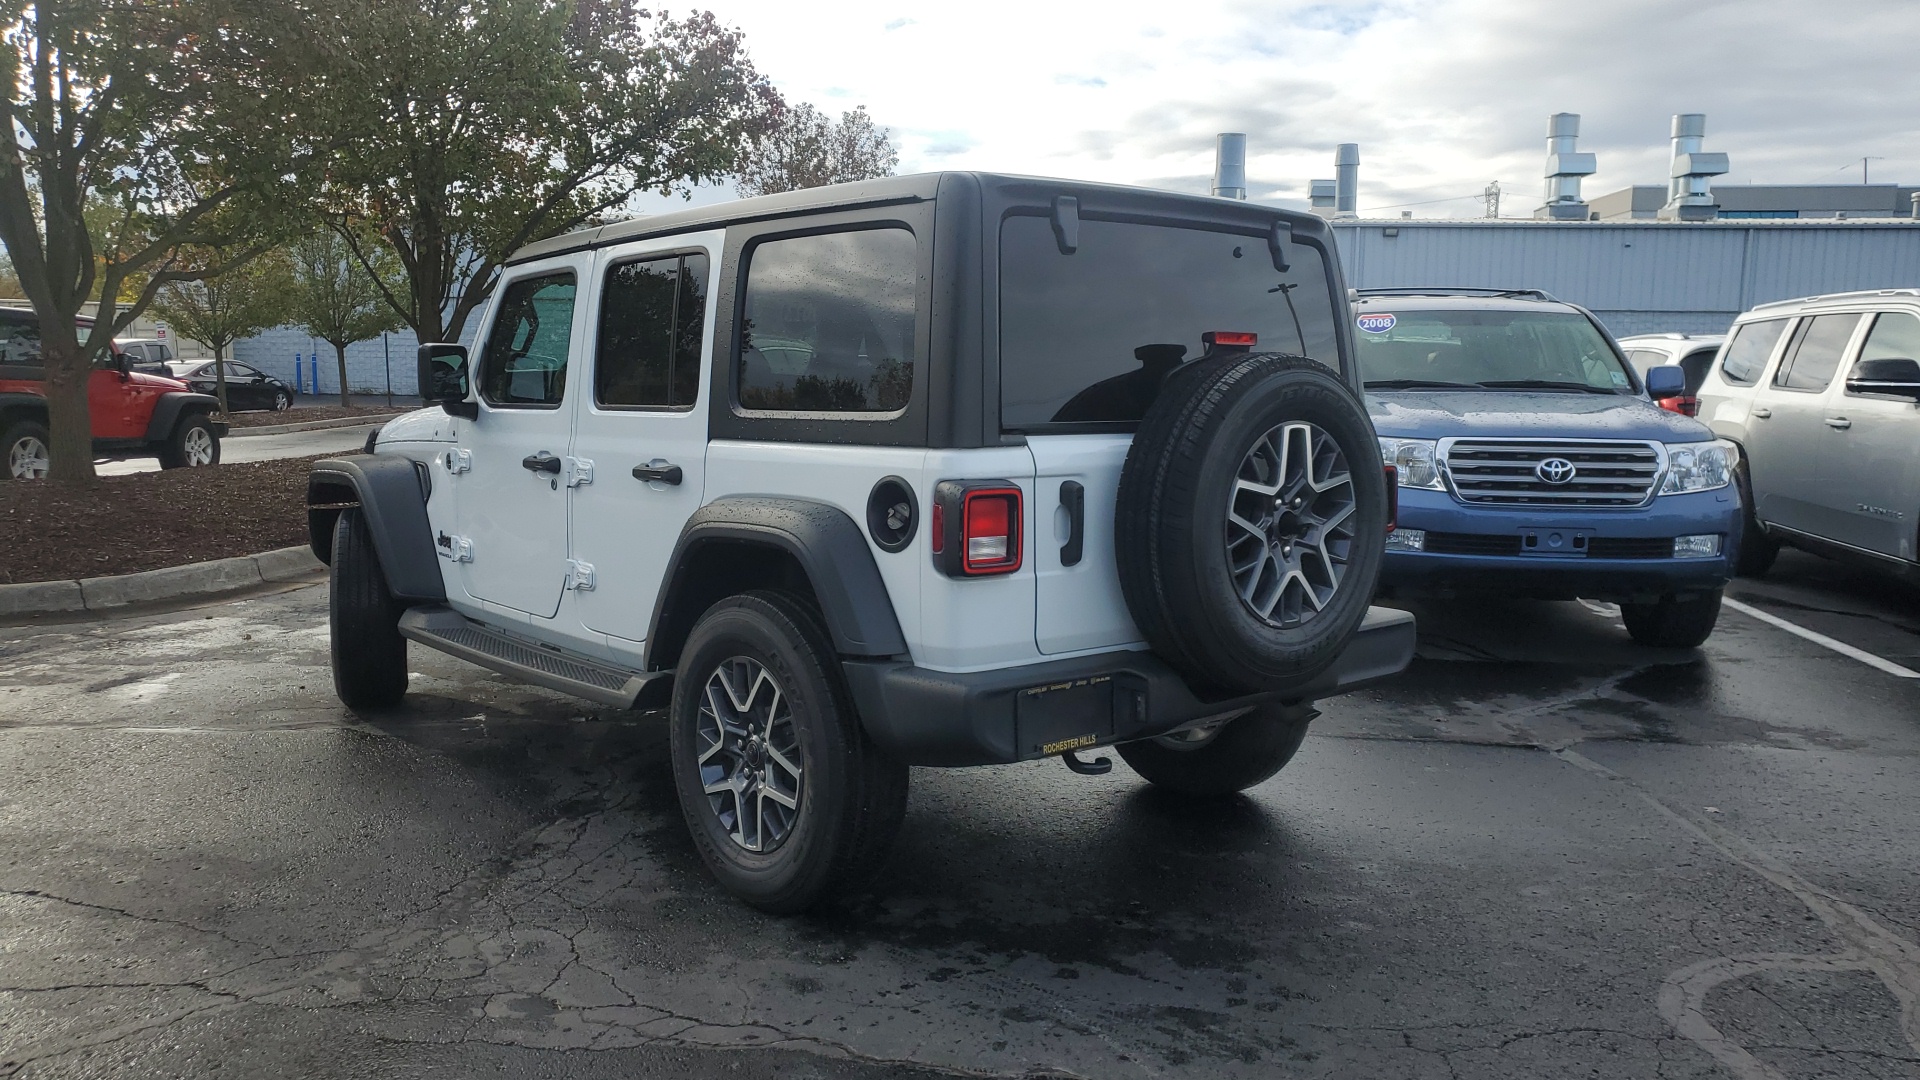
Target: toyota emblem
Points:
(1555, 470)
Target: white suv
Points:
(1821, 395)
(938, 470)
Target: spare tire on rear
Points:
(1251, 521)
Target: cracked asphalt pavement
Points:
(1542, 852)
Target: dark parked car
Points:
(148, 356)
(248, 388)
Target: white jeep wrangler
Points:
(935, 470)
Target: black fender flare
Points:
(830, 548)
(391, 493)
(167, 411)
(21, 404)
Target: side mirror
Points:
(444, 379)
(123, 363)
(1897, 376)
(1666, 381)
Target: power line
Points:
(1426, 202)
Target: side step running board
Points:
(439, 627)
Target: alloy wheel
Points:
(1290, 524)
(197, 447)
(28, 459)
(750, 761)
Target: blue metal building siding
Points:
(1638, 277)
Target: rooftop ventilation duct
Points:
(1320, 195)
(1346, 180)
(1565, 170)
(1690, 192)
(1230, 166)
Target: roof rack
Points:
(1862, 294)
(1459, 290)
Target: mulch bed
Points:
(301, 416)
(150, 520)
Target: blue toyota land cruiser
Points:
(1533, 461)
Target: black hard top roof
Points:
(892, 190)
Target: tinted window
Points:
(20, 342)
(240, 371)
(526, 358)
(1747, 353)
(1816, 352)
(653, 315)
(1696, 364)
(1477, 347)
(1894, 334)
(1091, 337)
(829, 323)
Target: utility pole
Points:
(1491, 196)
(1863, 166)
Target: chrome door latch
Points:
(579, 471)
(579, 575)
(457, 461)
(454, 548)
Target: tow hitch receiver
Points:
(1099, 766)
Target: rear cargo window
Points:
(1089, 338)
(1748, 351)
(829, 323)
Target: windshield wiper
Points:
(1415, 384)
(1546, 384)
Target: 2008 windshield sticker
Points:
(1375, 324)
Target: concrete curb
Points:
(310, 425)
(170, 583)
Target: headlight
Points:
(1699, 466)
(1416, 460)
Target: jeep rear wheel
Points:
(191, 445)
(1251, 521)
(24, 450)
(1225, 758)
(788, 801)
(363, 621)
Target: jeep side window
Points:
(828, 324)
(653, 318)
(20, 343)
(1748, 351)
(526, 358)
(1090, 337)
(1815, 352)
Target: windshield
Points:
(1519, 350)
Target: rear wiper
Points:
(1416, 384)
(1545, 384)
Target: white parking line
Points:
(1840, 647)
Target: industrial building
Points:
(1686, 256)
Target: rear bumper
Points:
(1553, 576)
(1005, 715)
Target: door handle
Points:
(1074, 498)
(1762, 414)
(541, 462)
(1839, 423)
(658, 470)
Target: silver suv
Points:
(1823, 396)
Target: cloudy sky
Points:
(1442, 95)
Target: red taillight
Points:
(977, 526)
(990, 527)
(1686, 405)
(1215, 338)
(1393, 497)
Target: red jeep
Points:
(132, 412)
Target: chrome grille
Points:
(1492, 472)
